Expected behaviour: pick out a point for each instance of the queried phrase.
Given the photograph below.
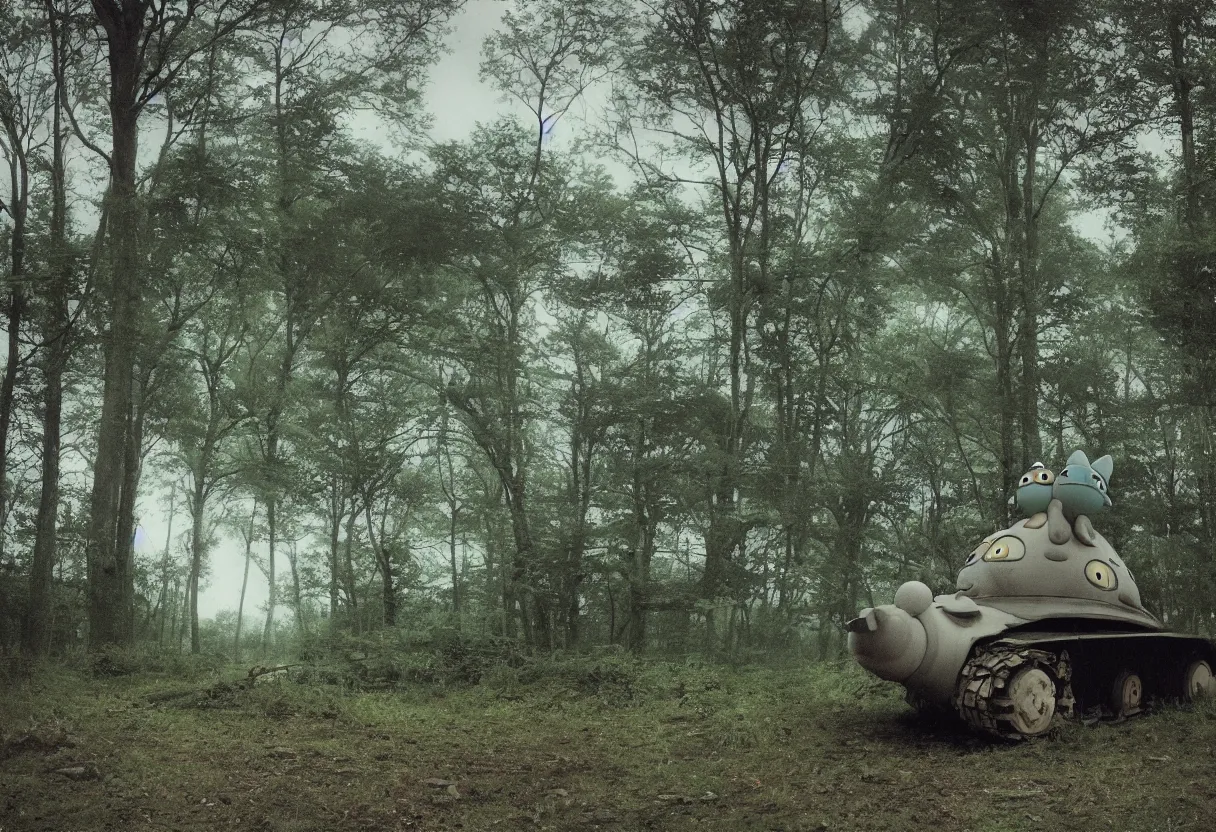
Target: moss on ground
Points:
(609, 743)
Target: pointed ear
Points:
(1104, 467)
(1078, 458)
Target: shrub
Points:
(14, 669)
(613, 676)
(117, 661)
(111, 661)
(464, 660)
(390, 658)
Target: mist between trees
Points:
(799, 353)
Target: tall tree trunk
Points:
(177, 605)
(449, 493)
(1028, 327)
(452, 562)
(579, 488)
(294, 329)
(638, 579)
(638, 600)
(1193, 265)
(789, 456)
(384, 560)
(184, 602)
(15, 312)
(515, 599)
(1006, 394)
(124, 541)
(109, 574)
(574, 570)
(164, 570)
(1183, 83)
(496, 563)
(389, 591)
(297, 600)
(272, 587)
(36, 632)
(348, 571)
(198, 501)
(337, 508)
(240, 606)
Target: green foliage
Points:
(280, 698)
(396, 659)
(492, 393)
(613, 677)
(115, 661)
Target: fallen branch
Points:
(255, 672)
(219, 688)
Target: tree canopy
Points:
(737, 316)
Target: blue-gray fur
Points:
(1035, 489)
(1081, 487)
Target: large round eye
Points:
(1026, 479)
(1044, 477)
(1100, 574)
(1005, 549)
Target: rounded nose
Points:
(894, 649)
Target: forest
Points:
(801, 292)
(773, 322)
(562, 451)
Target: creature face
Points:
(1035, 489)
(1082, 488)
(1022, 562)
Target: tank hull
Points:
(1159, 659)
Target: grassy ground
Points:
(610, 744)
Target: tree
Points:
(509, 205)
(383, 47)
(208, 424)
(55, 333)
(147, 49)
(1046, 92)
(1170, 217)
(747, 94)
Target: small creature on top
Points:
(1034, 489)
(1064, 502)
(1081, 487)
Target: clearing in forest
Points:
(609, 743)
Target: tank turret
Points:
(1045, 620)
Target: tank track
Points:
(980, 696)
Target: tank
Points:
(1045, 622)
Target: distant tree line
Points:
(802, 352)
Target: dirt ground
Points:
(815, 749)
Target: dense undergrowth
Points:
(440, 659)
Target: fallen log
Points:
(219, 688)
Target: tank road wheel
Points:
(1014, 692)
(1198, 682)
(1033, 695)
(1126, 694)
